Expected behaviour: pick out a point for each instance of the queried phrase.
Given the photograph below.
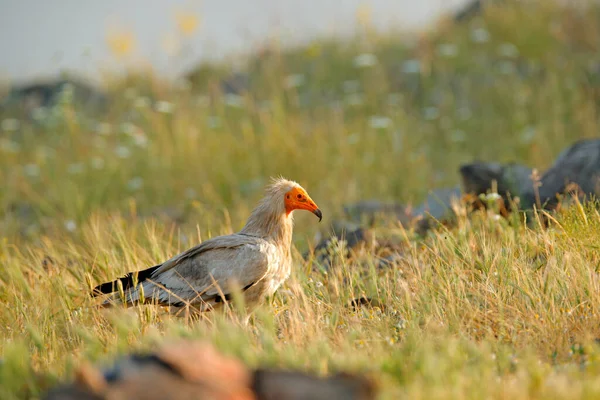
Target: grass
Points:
(482, 310)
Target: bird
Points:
(257, 260)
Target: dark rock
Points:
(343, 235)
(577, 165)
(275, 385)
(368, 211)
(184, 370)
(437, 206)
(188, 370)
(438, 203)
(26, 98)
(237, 83)
(359, 302)
(72, 392)
(471, 10)
(510, 180)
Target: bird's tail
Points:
(128, 281)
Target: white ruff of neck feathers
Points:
(269, 219)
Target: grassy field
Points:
(482, 310)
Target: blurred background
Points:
(45, 38)
(183, 110)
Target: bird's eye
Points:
(299, 196)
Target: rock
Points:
(275, 385)
(436, 209)
(27, 98)
(184, 370)
(359, 302)
(509, 180)
(351, 236)
(72, 392)
(576, 166)
(237, 83)
(192, 370)
(470, 10)
(368, 211)
(346, 236)
(437, 206)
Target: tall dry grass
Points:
(483, 310)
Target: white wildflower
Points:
(190, 193)
(379, 122)
(213, 122)
(351, 86)
(9, 146)
(464, 113)
(506, 67)
(141, 102)
(354, 99)
(123, 152)
(368, 158)
(447, 50)
(401, 324)
(293, 81)
(40, 113)
(458, 136)
(136, 133)
(528, 134)
(140, 138)
(75, 169)
(202, 101)
(183, 84)
(130, 93)
(31, 170)
(164, 107)
(492, 197)
(265, 105)
(394, 99)
(10, 124)
(47, 152)
(135, 183)
(103, 128)
(431, 113)
(234, 100)
(353, 138)
(128, 128)
(411, 67)
(365, 60)
(97, 163)
(508, 50)
(480, 35)
(70, 225)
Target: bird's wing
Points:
(207, 271)
(220, 242)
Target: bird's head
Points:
(294, 197)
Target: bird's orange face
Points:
(298, 199)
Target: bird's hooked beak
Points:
(319, 214)
(298, 199)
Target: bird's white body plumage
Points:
(257, 260)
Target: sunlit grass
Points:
(485, 309)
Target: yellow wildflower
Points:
(363, 14)
(121, 43)
(187, 22)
